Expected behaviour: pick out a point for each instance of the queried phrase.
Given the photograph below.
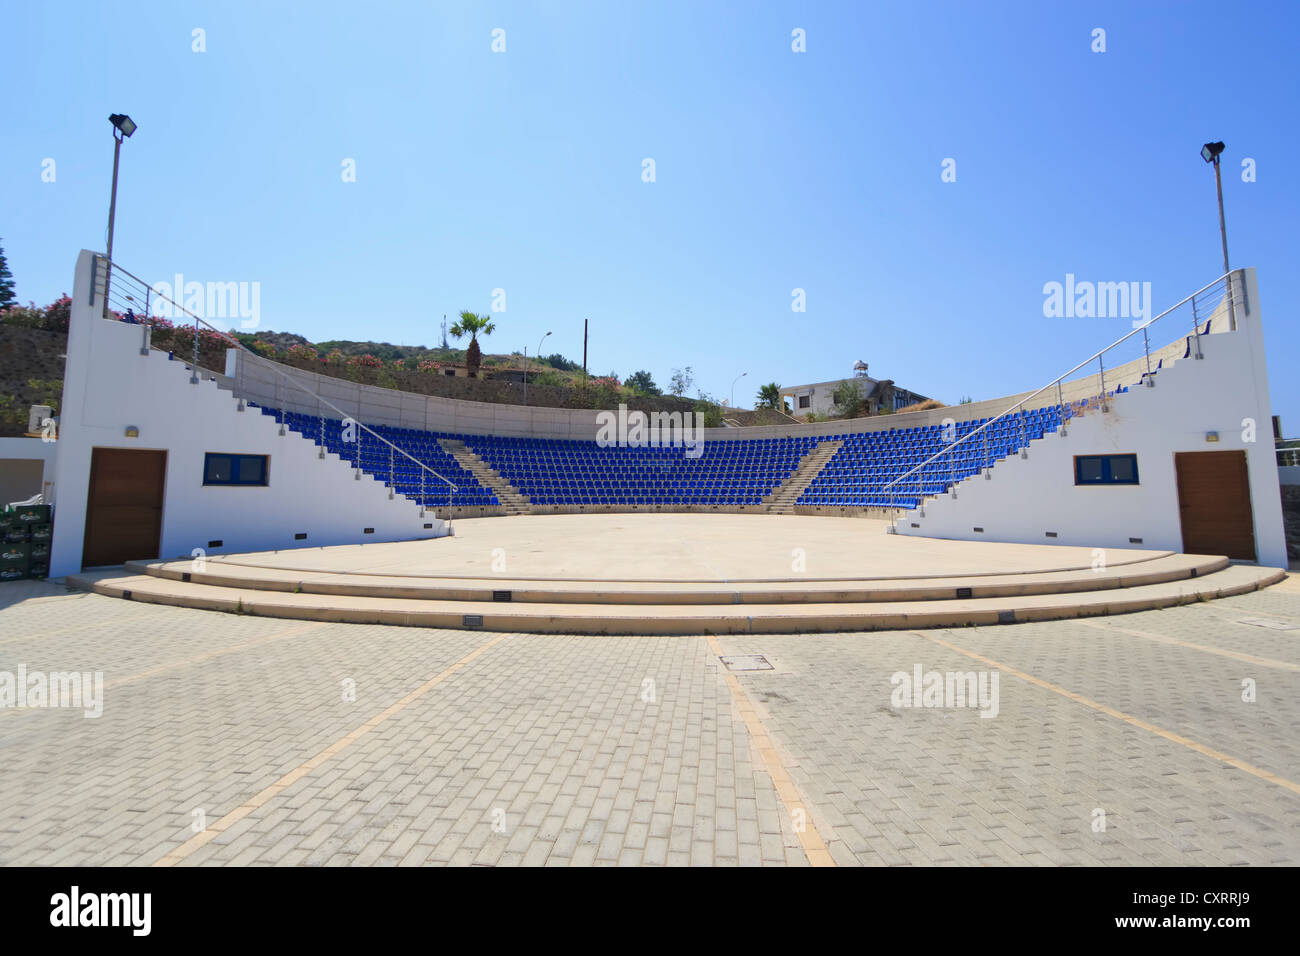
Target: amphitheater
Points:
(1112, 488)
(332, 624)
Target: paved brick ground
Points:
(554, 750)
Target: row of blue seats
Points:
(865, 471)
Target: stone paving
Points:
(234, 739)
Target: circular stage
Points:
(683, 547)
(682, 573)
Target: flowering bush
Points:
(53, 318)
(427, 366)
(365, 361)
(58, 314)
(335, 357)
(300, 351)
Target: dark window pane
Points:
(217, 470)
(1089, 469)
(252, 470)
(1123, 468)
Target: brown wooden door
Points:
(1214, 503)
(124, 506)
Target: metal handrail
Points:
(1096, 356)
(147, 322)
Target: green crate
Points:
(32, 514)
(40, 551)
(15, 554)
(41, 532)
(13, 572)
(38, 570)
(18, 533)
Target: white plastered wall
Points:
(1225, 392)
(109, 385)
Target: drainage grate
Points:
(747, 662)
(1272, 625)
(471, 620)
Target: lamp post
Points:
(1210, 152)
(539, 355)
(123, 127)
(732, 400)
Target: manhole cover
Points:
(1275, 625)
(747, 662)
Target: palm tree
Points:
(471, 324)
(769, 396)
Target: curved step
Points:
(1159, 570)
(677, 619)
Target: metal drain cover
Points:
(1274, 625)
(747, 662)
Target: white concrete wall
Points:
(109, 385)
(26, 465)
(1026, 498)
(257, 379)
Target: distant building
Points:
(881, 395)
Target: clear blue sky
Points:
(775, 170)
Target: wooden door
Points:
(1214, 503)
(123, 506)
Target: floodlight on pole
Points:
(123, 127)
(732, 400)
(1210, 152)
(123, 123)
(539, 355)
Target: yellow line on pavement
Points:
(1204, 648)
(333, 750)
(208, 655)
(70, 629)
(1120, 715)
(814, 847)
(197, 658)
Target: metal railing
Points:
(127, 292)
(1288, 457)
(1205, 302)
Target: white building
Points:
(819, 398)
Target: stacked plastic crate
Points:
(25, 533)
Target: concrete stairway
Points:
(664, 607)
(781, 500)
(511, 500)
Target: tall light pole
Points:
(732, 400)
(1210, 152)
(539, 355)
(123, 127)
